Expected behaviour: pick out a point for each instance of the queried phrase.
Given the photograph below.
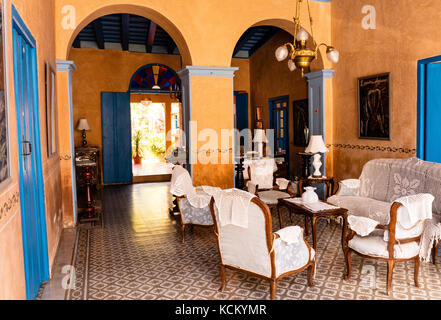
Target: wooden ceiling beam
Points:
(125, 29)
(99, 34)
(151, 37)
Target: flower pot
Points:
(137, 160)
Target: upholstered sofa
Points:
(382, 181)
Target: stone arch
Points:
(146, 12)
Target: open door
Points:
(117, 140)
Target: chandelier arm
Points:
(291, 46)
(318, 47)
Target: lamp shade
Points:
(316, 145)
(281, 53)
(260, 136)
(291, 65)
(332, 54)
(83, 125)
(302, 35)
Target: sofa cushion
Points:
(376, 246)
(271, 197)
(364, 207)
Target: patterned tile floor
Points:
(138, 255)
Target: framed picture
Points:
(5, 160)
(259, 117)
(51, 111)
(374, 107)
(301, 122)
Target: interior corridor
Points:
(136, 253)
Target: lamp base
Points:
(317, 165)
(84, 143)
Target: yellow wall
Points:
(406, 31)
(206, 32)
(38, 16)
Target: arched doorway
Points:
(276, 98)
(108, 53)
(156, 118)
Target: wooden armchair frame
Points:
(270, 237)
(275, 187)
(183, 224)
(391, 260)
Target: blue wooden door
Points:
(117, 138)
(30, 167)
(432, 130)
(279, 122)
(241, 121)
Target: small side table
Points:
(296, 208)
(329, 182)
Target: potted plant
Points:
(136, 147)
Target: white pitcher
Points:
(309, 196)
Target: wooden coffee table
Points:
(298, 208)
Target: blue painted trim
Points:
(421, 104)
(19, 27)
(68, 67)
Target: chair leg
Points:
(416, 271)
(348, 263)
(279, 211)
(435, 252)
(390, 270)
(311, 274)
(183, 233)
(223, 276)
(306, 226)
(273, 285)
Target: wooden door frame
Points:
(19, 26)
(421, 104)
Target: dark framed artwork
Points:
(51, 111)
(301, 122)
(5, 161)
(374, 107)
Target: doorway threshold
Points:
(152, 178)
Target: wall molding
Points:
(405, 150)
(199, 71)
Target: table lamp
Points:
(260, 139)
(317, 146)
(83, 126)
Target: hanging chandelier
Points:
(300, 56)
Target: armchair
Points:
(261, 182)
(258, 251)
(193, 203)
(399, 240)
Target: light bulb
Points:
(302, 35)
(281, 53)
(333, 54)
(291, 65)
